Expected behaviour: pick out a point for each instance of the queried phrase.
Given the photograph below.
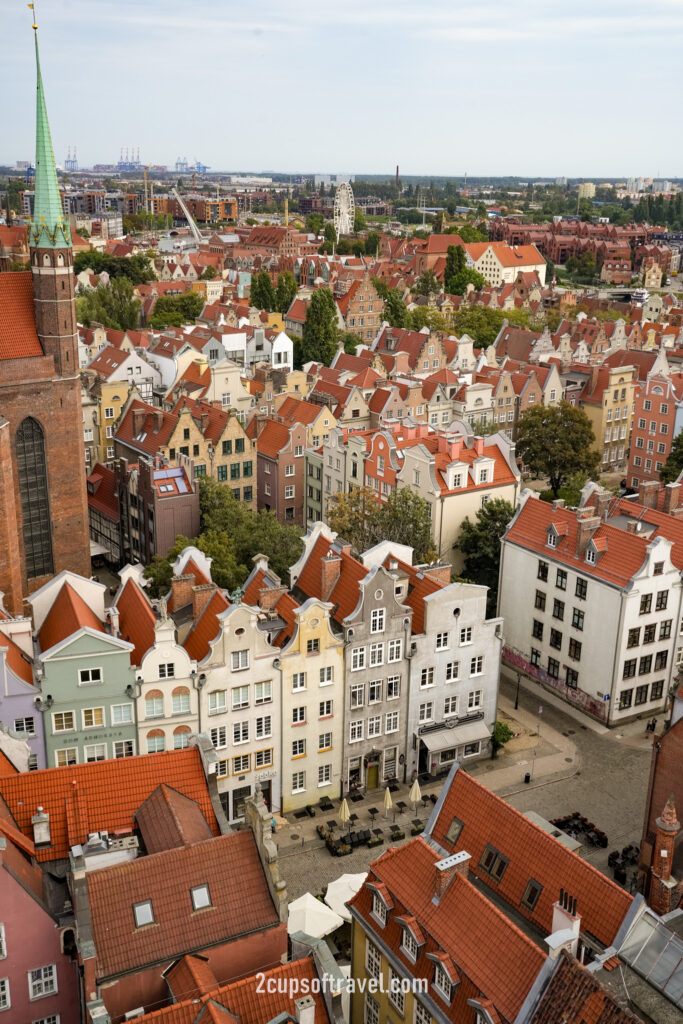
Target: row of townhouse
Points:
(455, 472)
(360, 673)
(592, 600)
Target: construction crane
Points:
(188, 217)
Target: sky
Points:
(586, 88)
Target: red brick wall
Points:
(10, 563)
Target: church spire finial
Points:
(48, 230)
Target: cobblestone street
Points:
(578, 767)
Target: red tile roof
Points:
(250, 1000)
(68, 614)
(298, 410)
(136, 620)
(102, 494)
(346, 592)
(168, 819)
(532, 853)
(165, 879)
(477, 938)
(101, 795)
(575, 996)
(216, 418)
(206, 628)
(154, 432)
(18, 335)
(16, 660)
(272, 438)
(107, 360)
(419, 587)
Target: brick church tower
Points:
(665, 889)
(43, 500)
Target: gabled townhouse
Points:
(375, 626)
(311, 667)
(499, 262)
(170, 355)
(18, 691)
(280, 466)
(221, 382)
(105, 401)
(361, 308)
(87, 692)
(90, 412)
(318, 420)
(591, 599)
(425, 351)
(240, 700)
(454, 662)
(657, 421)
(120, 367)
(608, 399)
(457, 475)
(347, 403)
(473, 403)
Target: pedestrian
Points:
(654, 724)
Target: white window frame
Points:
(266, 693)
(357, 659)
(5, 994)
(85, 677)
(119, 747)
(37, 986)
(356, 731)
(240, 660)
(391, 722)
(299, 782)
(238, 703)
(395, 650)
(378, 618)
(120, 708)
(101, 725)
(218, 702)
(89, 747)
(324, 775)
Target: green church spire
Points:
(49, 229)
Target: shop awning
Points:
(444, 739)
(97, 549)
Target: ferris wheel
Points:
(344, 210)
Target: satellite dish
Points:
(344, 210)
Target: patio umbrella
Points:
(344, 812)
(309, 915)
(341, 891)
(387, 801)
(415, 795)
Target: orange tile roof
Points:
(249, 1000)
(107, 360)
(206, 628)
(215, 423)
(102, 494)
(156, 435)
(166, 878)
(101, 795)
(477, 938)
(532, 853)
(168, 819)
(68, 614)
(272, 438)
(575, 996)
(419, 587)
(346, 591)
(18, 335)
(298, 410)
(136, 620)
(16, 660)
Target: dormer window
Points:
(442, 983)
(379, 909)
(143, 913)
(409, 945)
(201, 897)
(551, 540)
(590, 555)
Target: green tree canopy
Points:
(557, 442)
(208, 274)
(314, 223)
(136, 268)
(479, 542)
(359, 221)
(395, 312)
(426, 316)
(319, 340)
(372, 241)
(427, 284)
(176, 310)
(361, 520)
(468, 233)
(262, 293)
(673, 466)
(381, 287)
(111, 305)
(481, 323)
(329, 234)
(457, 274)
(286, 290)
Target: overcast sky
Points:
(585, 88)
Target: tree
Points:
(405, 519)
(355, 517)
(427, 284)
(111, 305)
(372, 241)
(468, 233)
(319, 340)
(359, 221)
(136, 268)
(502, 734)
(673, 466)
(381, 287)
(395, 312)
(479, 542)
(426, 316)
(160, 572)
(285, 293)
(176, 310)
(457, 275)
(556, 441)
(262, 294)
(350, 341)
(314, 223)
(329, 234)
(208, 274)
(481, 323)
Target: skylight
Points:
(143, 913)
(200, 897)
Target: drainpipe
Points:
(408, 656)
(133, 690)
(441, 526)
(277, 665)
(198, 681)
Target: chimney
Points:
(558, 503)
(631, 526)
(440, 573)
(457, 864)
(158, 419)
(181, 591)
(41, 828)
(261, 420)
(268, 597)
(330, 568)
(479, 445)
(671, 497)
(139, 416)
(601, 503)
(204, 420)
(201, 596)
(304, 1008)
(586, 525)
(260, 562)
(113, 615)
(593, 379)
(648, 492)
(566, 927)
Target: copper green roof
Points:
(49, 229)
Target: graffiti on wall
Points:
(578, 698)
